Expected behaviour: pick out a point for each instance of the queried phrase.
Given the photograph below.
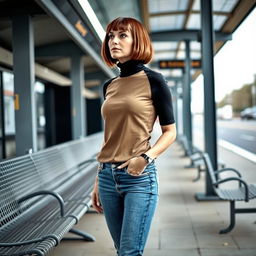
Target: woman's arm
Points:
(136, 165)
(165, 140)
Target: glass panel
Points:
(224, 5)
(218, 21)
(39, 93)
(166, 22)
(194, 21)
(181, 55)
(9, 103)
(159, 46)
(218, 5)
(9, 114)
(164, 55)
(167, 5)
(196, 6)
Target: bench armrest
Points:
(198, 158)
(240, 182)
(196, 151)
(228, 169)
(46, 192)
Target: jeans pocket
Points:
(143, 174)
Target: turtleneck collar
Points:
(130, 67)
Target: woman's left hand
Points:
(136, 165)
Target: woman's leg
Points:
(140, 200)
(138, 214)
(112, 203)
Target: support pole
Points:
(187, 96)
(77, 99)
(209, 96)
(24, 80)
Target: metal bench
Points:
(44, 194)
(187, 146)
(244, 192)
(196, 157)
(198, 162)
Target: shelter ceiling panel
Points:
(60, 65)
(224, 5)
(194, 22)
(48, 31)
(218, 21)
(159, 46)
(168, 22)
(167, 5)
(164, 55)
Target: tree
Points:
(239, 99)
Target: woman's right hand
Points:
(95, 197)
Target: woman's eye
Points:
(123, 35)
(111, 36)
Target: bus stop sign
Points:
(180, 64)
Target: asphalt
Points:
(182, 226)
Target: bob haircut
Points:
(142, 47)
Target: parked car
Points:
(249, 113)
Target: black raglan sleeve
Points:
(162, 98)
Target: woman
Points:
(126, 187)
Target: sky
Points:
(234, 64)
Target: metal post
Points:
(187, 95)
(180, 109)
(175, 105)
(77, 99)
(2, 118)
(209, 95)
(24, 80)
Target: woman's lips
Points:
(115, 49)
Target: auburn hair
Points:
(142, 47)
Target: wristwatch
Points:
(147, 158)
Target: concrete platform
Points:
(182, 226)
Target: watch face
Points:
(150, 160)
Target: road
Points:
(240, 133)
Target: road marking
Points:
(248, 137)
(242, 152)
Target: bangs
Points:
(119, 24)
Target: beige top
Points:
(129, 113)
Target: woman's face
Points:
(120, 45)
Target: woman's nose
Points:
(115, 40)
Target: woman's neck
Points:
(130, 67)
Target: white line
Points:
(244, 153)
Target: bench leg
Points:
(232, 219)
(199, 170)
(82, 236)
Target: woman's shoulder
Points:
(155, 77)
(105, 85)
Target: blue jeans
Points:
(129, 203)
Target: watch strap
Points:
(147, 158)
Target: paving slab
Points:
(182, 226)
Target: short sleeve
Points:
(161, 96)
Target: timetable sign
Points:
(167, 64)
